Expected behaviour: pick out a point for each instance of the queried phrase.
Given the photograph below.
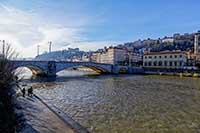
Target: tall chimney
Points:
(196, 44)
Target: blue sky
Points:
(92, 24)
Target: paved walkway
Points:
(40, 118)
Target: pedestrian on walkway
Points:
(23, 92)
(30, 91)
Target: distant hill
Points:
(177, 42)
(61, 55)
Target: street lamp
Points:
(3, 46)
(38, 50)
(50, 45)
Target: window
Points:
(165, 63)
(160, 57)
(150, 57)
(155, 63)
(155, 57)
(150, 63)
(180, 63)
(170, 56)
(175, 63)
(145, 57)
(165, 56)
(160, 63)
(180, 56)
(170, 63)
(145, 64)
(175, 56)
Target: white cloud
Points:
(25, 30)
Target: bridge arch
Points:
(50, 68)
(36, 70)
(99, 68)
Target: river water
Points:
(126, 103)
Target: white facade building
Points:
(116, 56)
(166, 59)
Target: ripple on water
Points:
(129, 103)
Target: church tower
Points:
(196, 44)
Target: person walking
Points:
(23, 92)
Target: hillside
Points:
(177, 42)
(61, 55)
(183, 42)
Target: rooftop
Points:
(166, 52)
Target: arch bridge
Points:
(50, 68)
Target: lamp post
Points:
(38, 50)
(50, 45)
(3, 47)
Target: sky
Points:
(92, 24)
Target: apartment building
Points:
(166, 59)
(113, 55)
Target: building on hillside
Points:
(135, 59)
(176, 35)
(114, 55)
(86, 58)
(95, 57)
(73, 49)
(194, 56)
(76, 59)
(168, 40)
(165, 59)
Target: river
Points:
(126, 103)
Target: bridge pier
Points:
(127, 70)
(51, 69)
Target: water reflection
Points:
(76, 73)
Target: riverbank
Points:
(179, 74)
(36, 116)
(172, 72)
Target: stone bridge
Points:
(50, 68)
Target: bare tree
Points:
(7, 115)
(6, 66)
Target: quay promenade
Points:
(37, 116)
(173, 72)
